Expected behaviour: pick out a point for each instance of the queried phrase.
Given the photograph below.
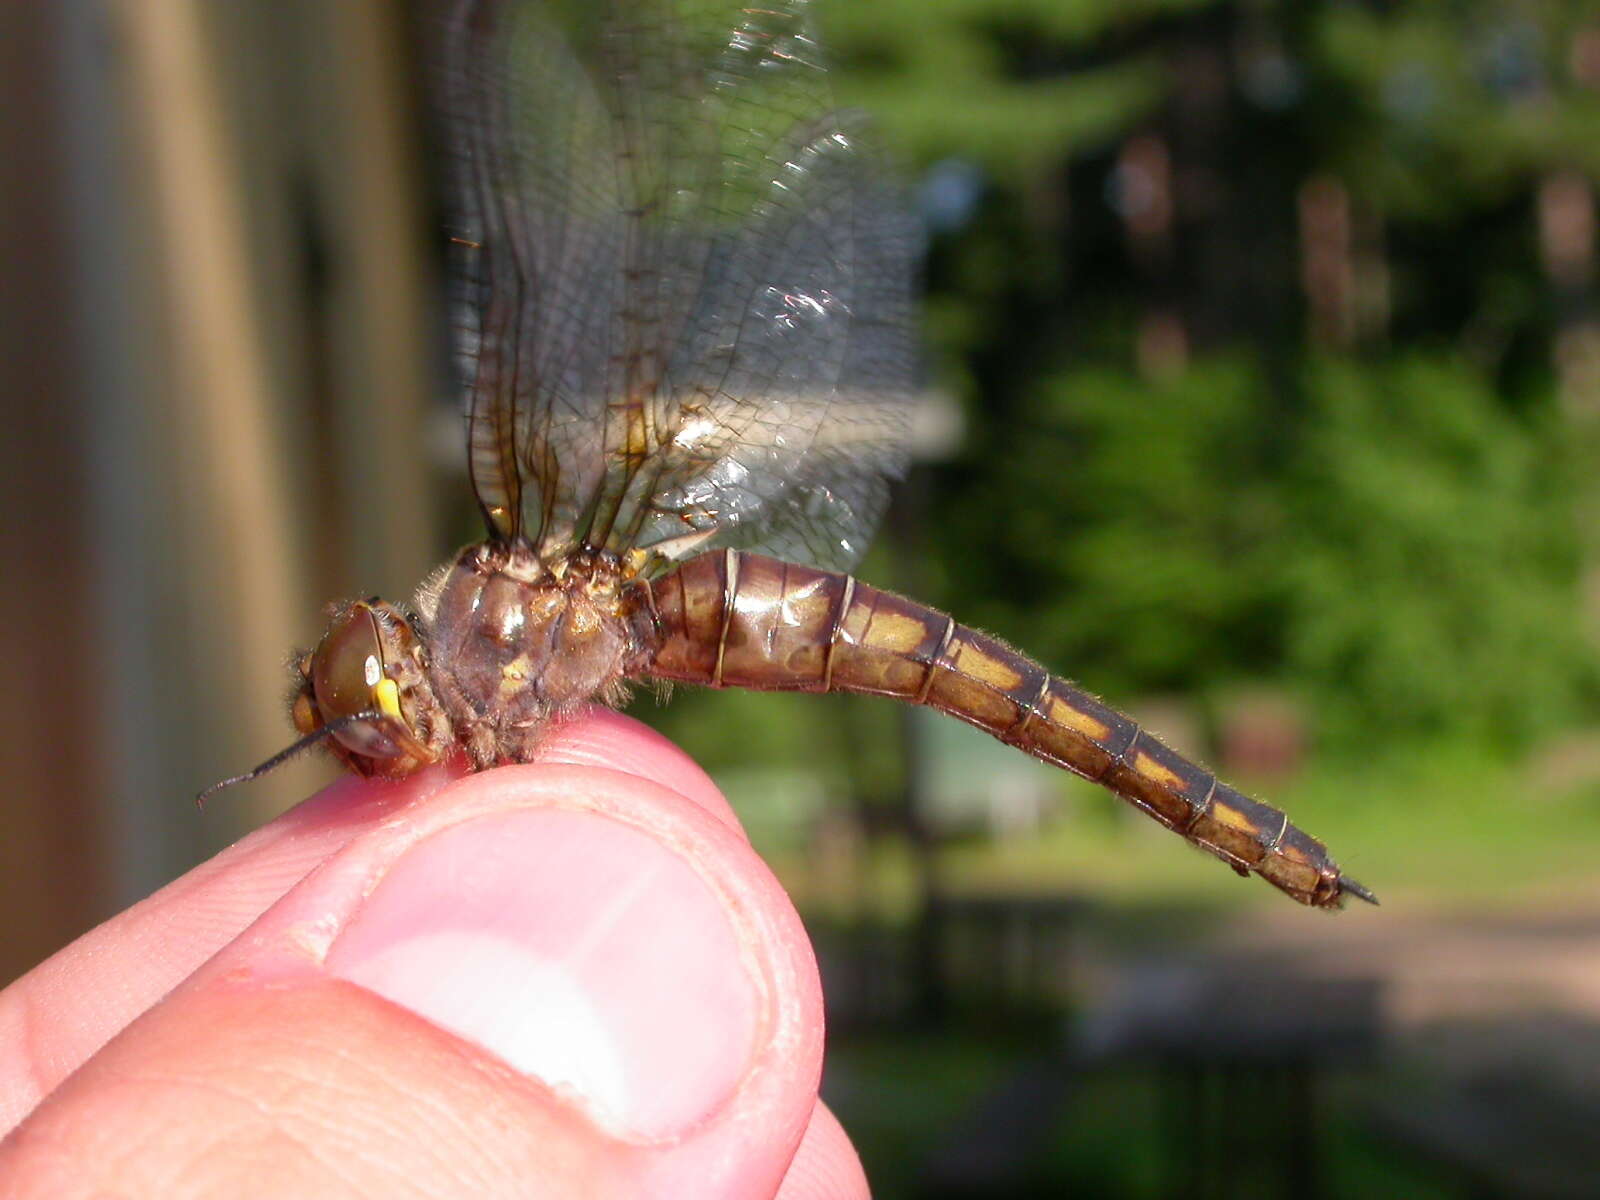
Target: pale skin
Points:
(571, 978)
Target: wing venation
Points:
(683, 281)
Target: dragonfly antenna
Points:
(288, 752)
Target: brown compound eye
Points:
(363, 687)
(345, 672)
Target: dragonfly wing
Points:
(685, 281)
(790, 400)
(534, 202)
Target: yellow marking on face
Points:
(1063, 713)
(1234, 818)
(387, 694)
(1151, 769)
(895, 632)
(985, 668)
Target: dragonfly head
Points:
(365, 693)
(365, 686)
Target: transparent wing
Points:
(684, 287)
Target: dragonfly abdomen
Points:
(729, 619)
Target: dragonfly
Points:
(683, 298)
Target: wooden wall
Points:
(225, 374)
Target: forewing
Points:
(685, 283)
(534, 192)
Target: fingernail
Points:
(576, 948)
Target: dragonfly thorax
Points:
(514, 641)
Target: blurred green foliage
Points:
(1432, 568)
(1399, 547)
(1448, 107)
(1140, 525)
(1388, 528)
(1116, 1135)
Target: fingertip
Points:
(603, 737)
(569, 827)
(826, 1166)
(577, 935)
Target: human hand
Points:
(568, 978)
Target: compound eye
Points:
(345, 669)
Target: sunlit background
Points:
(1263, 399)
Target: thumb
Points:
(542, 981)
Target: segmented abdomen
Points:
(728, 619)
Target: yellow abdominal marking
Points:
(975, 664)
(1063, 713)
(1232, 817)
(895, 632)
(1151, 769)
